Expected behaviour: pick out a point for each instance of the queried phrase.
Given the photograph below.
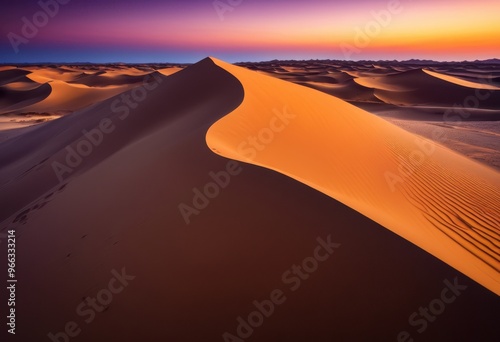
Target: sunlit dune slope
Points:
(45, 74)
(428, 194)
(461, 82)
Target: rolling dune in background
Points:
(63, 90)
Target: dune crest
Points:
(439, 200)
(461, 82)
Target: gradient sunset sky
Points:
(255, 30)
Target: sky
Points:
(185, 31)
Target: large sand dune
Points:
(119, 207)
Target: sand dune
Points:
(12, 98)
(52, 91)
(12, 75)
(461, 82)
(66, 97)
(101, 79)
(42, 75)
(445, 204)
(119, 208)
(416, 88)
(25, 84)
(52, 97)
(169, 71)
(349, 90)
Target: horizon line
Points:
(493, 59)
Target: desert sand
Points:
(322, 174)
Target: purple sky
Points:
(247, 30)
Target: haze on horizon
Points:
(249, 30)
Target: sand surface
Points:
(119, 208)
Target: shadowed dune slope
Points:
(428, 194)
(12, 98)
(12, 75)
